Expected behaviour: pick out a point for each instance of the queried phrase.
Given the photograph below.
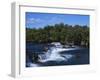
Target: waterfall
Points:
(53, 54)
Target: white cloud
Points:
(33, 20)
(55, 19)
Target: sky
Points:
(40, 20)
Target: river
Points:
(55, 56)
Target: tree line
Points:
(63, 33)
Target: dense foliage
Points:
(64, 33)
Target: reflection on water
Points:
(37, 55)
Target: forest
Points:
(63, 33)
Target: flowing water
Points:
(55, 56)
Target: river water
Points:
(55, 56)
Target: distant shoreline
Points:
(48, 43)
